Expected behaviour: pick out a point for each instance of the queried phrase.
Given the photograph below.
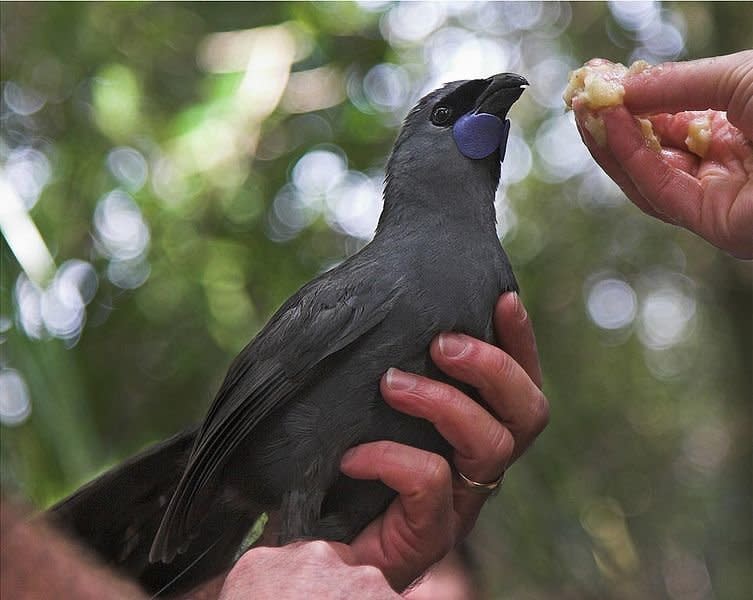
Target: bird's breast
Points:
(460, 285)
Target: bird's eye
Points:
(441, 115)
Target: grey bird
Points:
(306, 388)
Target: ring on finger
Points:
(491, 488)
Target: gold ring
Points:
(490, 488)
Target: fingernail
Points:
(350, 453)
(452, 346)
(520, 310)
(399, 380)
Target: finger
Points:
(502, 383)
(606, 160)
(515, 334)
(672, 129)
(670, 191)
(483, 446)
(720, 83)
(320, 550)
(725, 141)
(326, 551)
(680, 159)
(423, 479)
(419, 527)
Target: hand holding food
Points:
(676, 138)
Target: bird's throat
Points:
(469, 210)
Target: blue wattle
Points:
(477, 135)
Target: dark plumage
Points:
(307, 387)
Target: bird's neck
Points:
(438, 201)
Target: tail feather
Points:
(117, 515)
(115, 512)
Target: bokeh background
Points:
(172, 172)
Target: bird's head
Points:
(455, 136)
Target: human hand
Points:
(434, 510)
(38, 561)
(711, 195)
(304, 570)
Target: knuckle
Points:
(539, 412)
(436, 471)
(371, 574)
(320, 549)
(502, 444)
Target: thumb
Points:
(720, 83)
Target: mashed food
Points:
(598, 85)
(652, 140)
(699, 135)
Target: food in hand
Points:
(699, 135)
(598, 85)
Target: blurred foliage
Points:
(186, 171)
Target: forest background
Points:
(171, 172)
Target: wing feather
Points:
(318, 321)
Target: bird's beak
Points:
(484, 129)
(500, 94)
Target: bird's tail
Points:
(118, 514)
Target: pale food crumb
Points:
(598, 86)
(699, 135)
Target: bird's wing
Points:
(322, 318)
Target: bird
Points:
(306, 388)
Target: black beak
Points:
(500, 94)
